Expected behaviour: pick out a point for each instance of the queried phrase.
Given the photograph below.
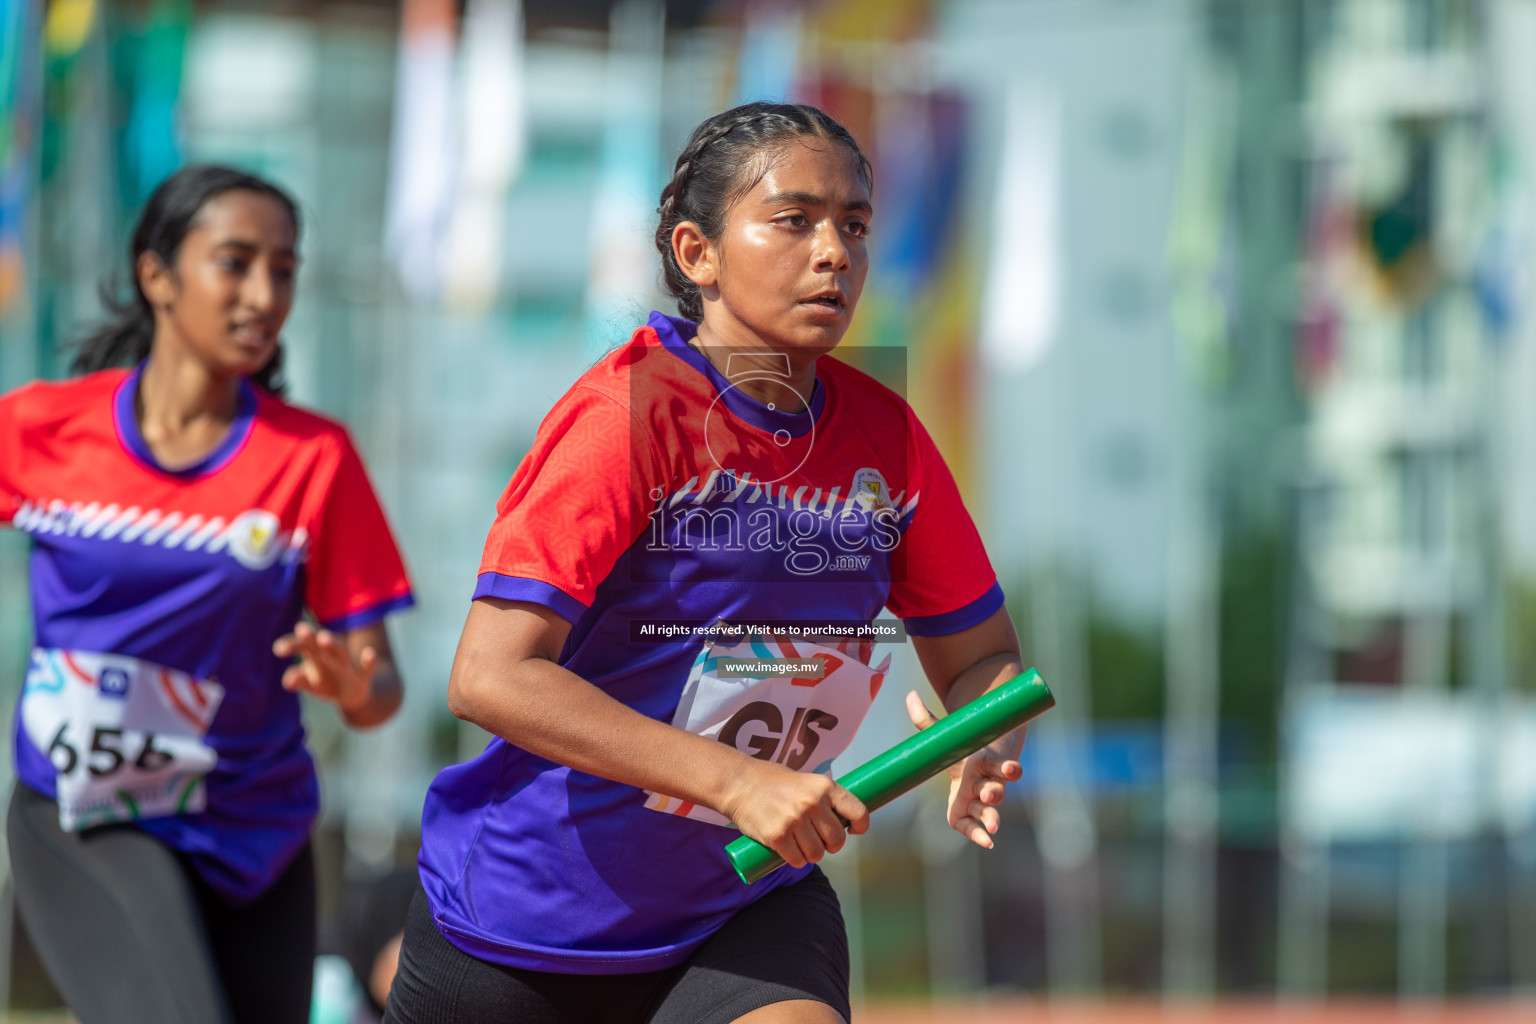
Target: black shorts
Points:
(790, 944)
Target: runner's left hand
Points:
(325, 667)
(976, 784)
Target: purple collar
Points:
(133, 439)
(675, 334)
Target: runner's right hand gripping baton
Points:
(918, 758)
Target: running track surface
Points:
(1334, 1012)
(1020, 1012)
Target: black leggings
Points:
(130, 934)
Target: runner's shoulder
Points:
(301, 426)
(860, 388)
(43, 403)
(633, 377)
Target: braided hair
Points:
(163, 225)
(724, 158)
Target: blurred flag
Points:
(18, 125)
(1201, 249)
(422, 147)
(926, 280)
(922, 298)
(1396, 237)
(1502, 253)
(622, 274)
(1326, 254)
(864, 21)
(769, 57)
(494, 133)
(151, 143)
(918, 147)
(68, 26)
(78, 166)
(1020, 313)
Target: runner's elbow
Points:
(466, 694)
(502, 695)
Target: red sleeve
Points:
(941, 581)
(356, 575)
(10, 447)
(577, 501)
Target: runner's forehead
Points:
(822, 174)
(246, 220)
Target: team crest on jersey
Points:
(870, 491)
(253, 538)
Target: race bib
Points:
(747, 694)
(125, 736)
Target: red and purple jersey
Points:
(657, 492)
(186, 577)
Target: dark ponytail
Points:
(723, 159)
(167, 217)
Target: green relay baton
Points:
(918, 758)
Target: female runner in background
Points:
(184, 519)
(722, 468)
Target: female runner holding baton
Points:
(721, 468)
(183, 518)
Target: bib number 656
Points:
(108, 751)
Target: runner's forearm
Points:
(981, 677)
(385, 693)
